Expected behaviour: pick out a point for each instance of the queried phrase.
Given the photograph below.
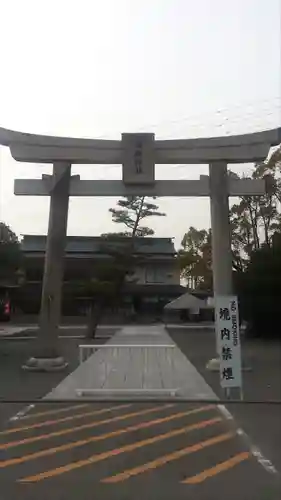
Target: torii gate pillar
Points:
(47, 356)
(221, 235)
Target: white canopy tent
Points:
(187, 301)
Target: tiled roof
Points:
(93, 244)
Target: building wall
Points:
(85, 255)
(158, 273)
(80, 269)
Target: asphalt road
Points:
(262, 422)
(127, 451)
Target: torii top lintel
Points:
(49, 149)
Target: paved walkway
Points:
(151, 371)
(11, 329)
(7, 331)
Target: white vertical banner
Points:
(228, 341)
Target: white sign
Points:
(228, 341)
(138, 159)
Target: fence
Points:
(85, 350)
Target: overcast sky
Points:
(95, 69)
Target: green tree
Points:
(270, 170)
(195, 258)
(256, 246)
(106, 287)
(259, 289)
(273, 161)
(131, 211)
(255, 219)
(11, 259)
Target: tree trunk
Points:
(95, 315)
(138, 218)
(254, 227)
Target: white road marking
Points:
(32, 337)
(255, 451)
(21, 413)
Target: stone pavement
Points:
(147, 371)
(7, 331)
(28, 331)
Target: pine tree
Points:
(131, 211)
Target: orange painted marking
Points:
(217, 469)
(62, 420)
(158, 462)
(52, 412)
(117, 451)
(70, 430)
(100, 437)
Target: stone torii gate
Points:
(138, 154)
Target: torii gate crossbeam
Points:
(161, 188)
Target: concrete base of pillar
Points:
(214, 366)
(37, 364)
